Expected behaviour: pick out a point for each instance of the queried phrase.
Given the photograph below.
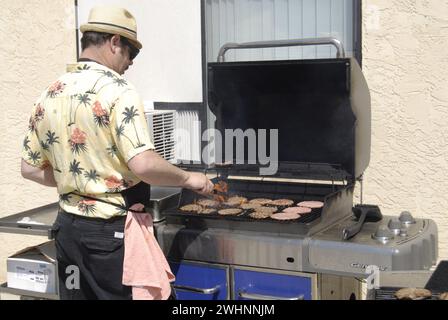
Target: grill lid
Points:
(321, 109)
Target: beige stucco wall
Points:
(405, 47)
(37, 39)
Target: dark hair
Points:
(91, 38)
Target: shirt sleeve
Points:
(32, 151)
(130, 129)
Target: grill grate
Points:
(189, 197)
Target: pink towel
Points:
(145, 267)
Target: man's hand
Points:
(199, 182)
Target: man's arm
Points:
(42, 176)
(153, 169)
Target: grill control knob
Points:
(407, 218)
(383, 234)
(395, 225)
(404, 232)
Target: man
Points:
(89, 138)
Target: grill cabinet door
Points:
(260, 285)
(200, 281)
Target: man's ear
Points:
(114, 42)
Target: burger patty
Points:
(413, 294)
(191, 208)
(230, 212)
(282, 202)
(207, 211)
(297, 210)
(285, 216)
(443, 296)
(270, 210)
(260, 215)
(261, 201)
(249, 206)
(235, 201)
(208, 203)
(311, 204)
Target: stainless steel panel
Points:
(36, 221)
(232, 247)
(415, 251)
(163, 198)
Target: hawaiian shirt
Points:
(87, 125)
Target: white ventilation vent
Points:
(161, 125)
(188, 136)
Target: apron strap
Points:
(140, 193)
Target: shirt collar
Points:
(83, 62)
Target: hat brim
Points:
(130, 35)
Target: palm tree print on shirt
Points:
(82, 99)
(91, 175)
(112, 151)
(44, 146)
(78, 141)
(104, 73)
(82, 67)
(34, 157)
(116, 80)
(26, 142)
(129, 115)
(65, 198)
(87, 206)
(100, 115)
(120, 82)
(119, 131)
(76, 171)
(51, 140)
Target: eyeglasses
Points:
(133, 50)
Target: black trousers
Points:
(90, 253)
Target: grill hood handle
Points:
(283, 43)
(364, 213)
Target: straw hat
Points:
(114, 20)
